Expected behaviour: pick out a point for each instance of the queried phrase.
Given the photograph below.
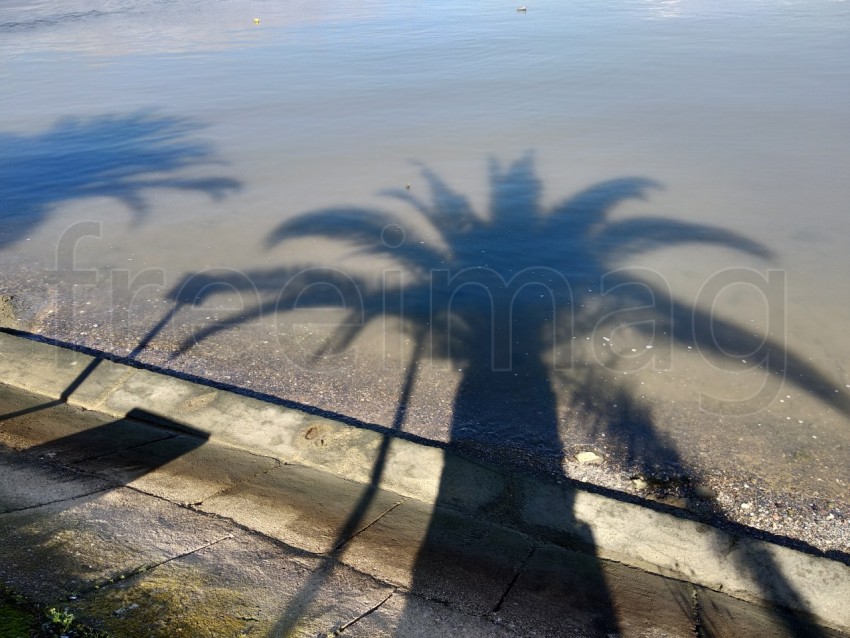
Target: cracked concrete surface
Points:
(133, 525)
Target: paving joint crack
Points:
(147, 567)
(300, 551)
(343, 542)
(98, 404)
(228, 488)
(696, 613)
(58, 500)
(517, 572)
(339, 630)
(97, 457)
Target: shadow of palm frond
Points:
(506, 282)
(117, 156)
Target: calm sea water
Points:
(677, 139)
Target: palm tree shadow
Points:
(501, 297)
(117, 156)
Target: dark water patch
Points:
(52, 21)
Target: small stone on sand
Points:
(588, 458)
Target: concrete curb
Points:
(745, 568)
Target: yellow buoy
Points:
(256, 21)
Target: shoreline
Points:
(739, 504)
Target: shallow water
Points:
(691, 137)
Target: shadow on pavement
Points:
(43, 482)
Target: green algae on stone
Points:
(160, 605)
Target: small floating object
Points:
(521, 9)
(407, 186)
(256, 21)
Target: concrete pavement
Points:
(151, 505)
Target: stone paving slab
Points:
(317, 520)
(39, 367)
(578, 594)
(291, 435)
(51, 371)
(76, 436)
(722, 615)
(67, 547)
(240, 586)
(179, 470)
(414, 617)
(24, 486)
(441, 555)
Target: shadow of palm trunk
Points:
(472, 567)
(515, 409)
